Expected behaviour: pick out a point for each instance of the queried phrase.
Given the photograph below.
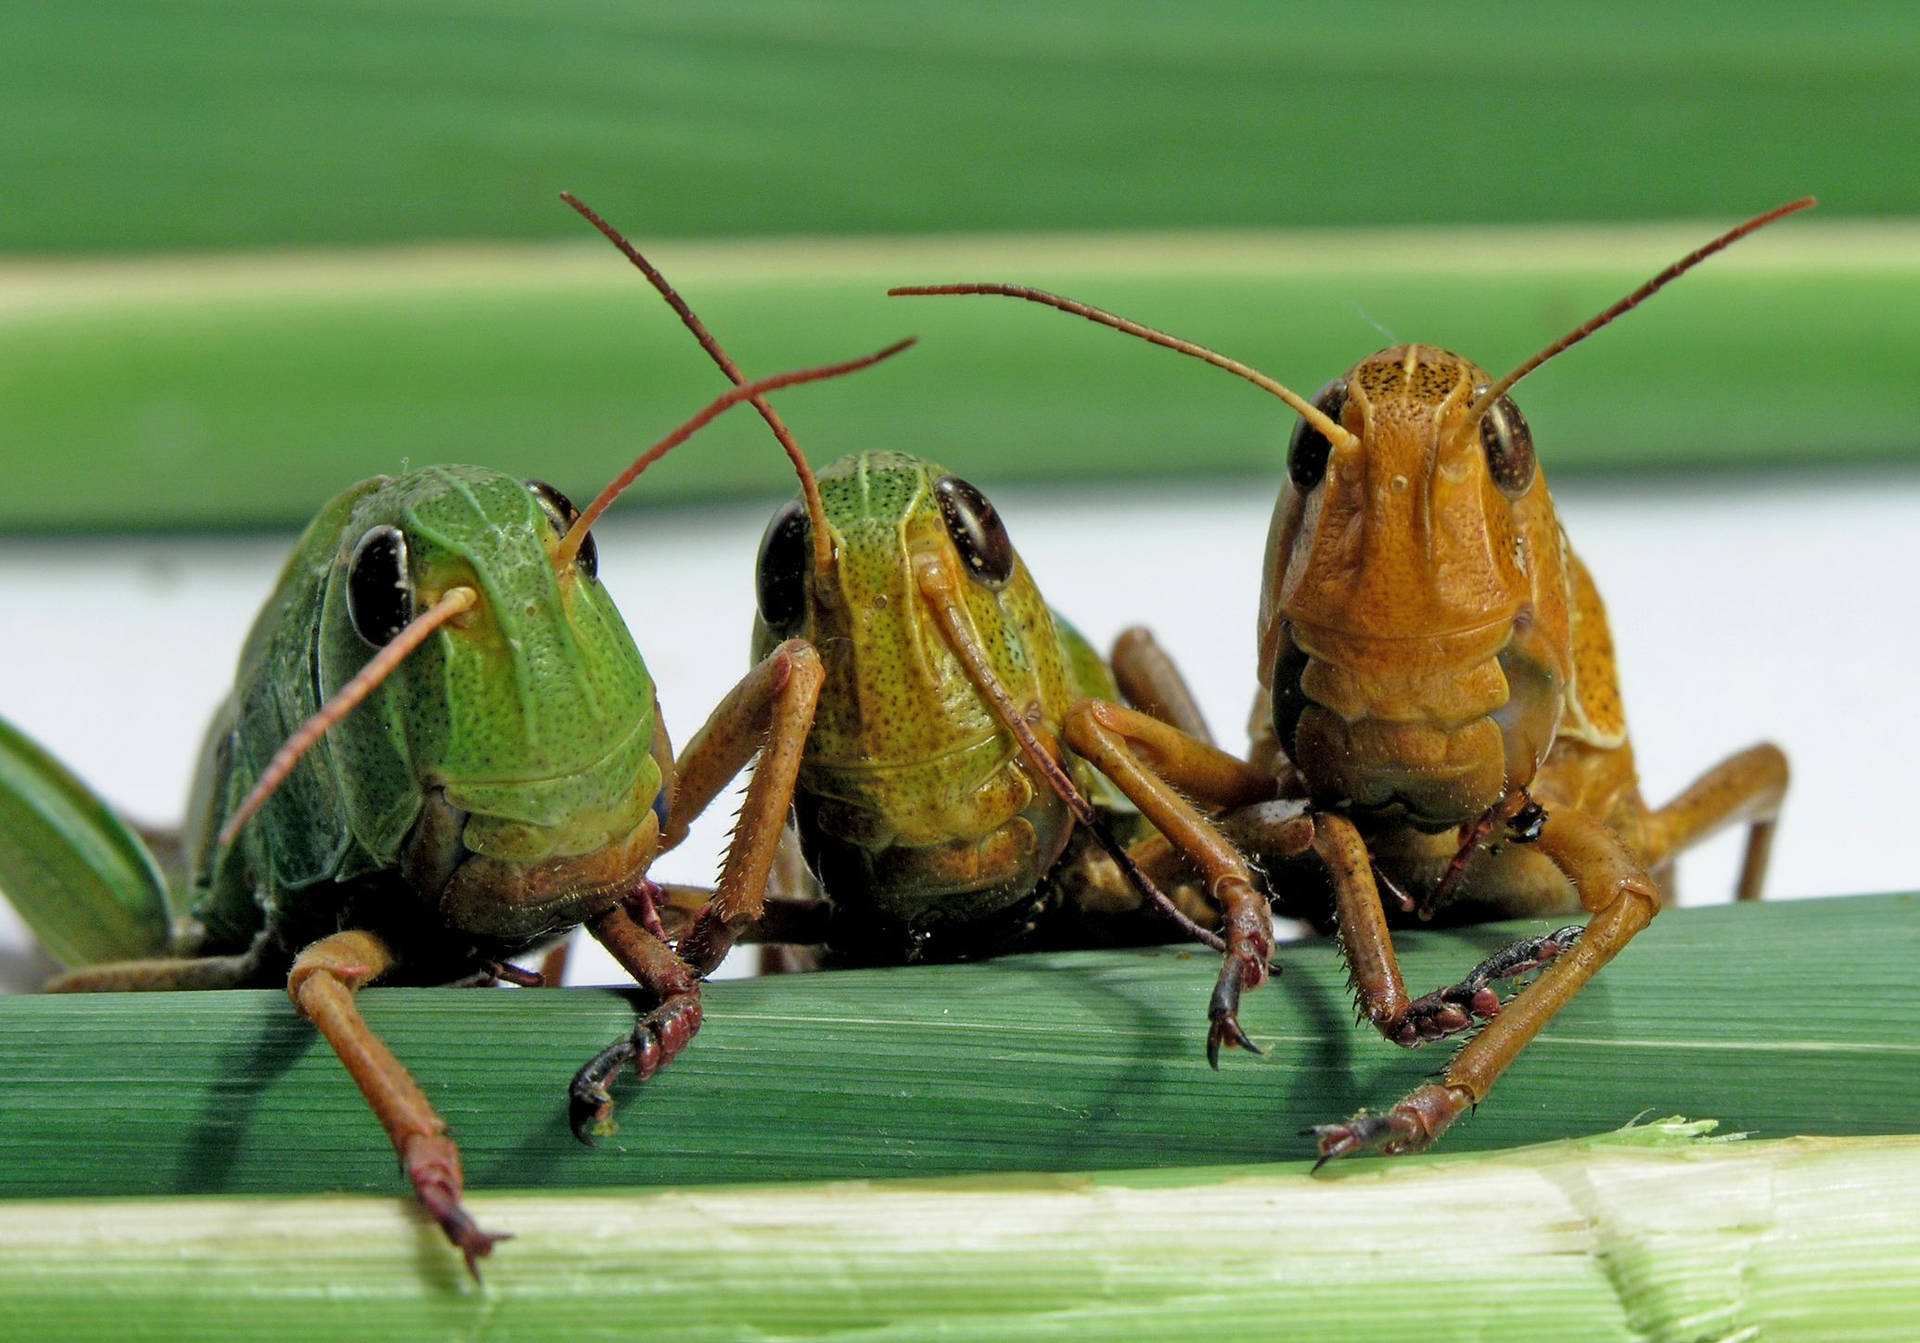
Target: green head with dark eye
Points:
(508, 762)
(888, 491)
(907, 754)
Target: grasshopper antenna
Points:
(577, 534)
(365, 681)
(809, 488)
(823, 560)
(1307, 411)
(1634, 300)
(936, 584)
(461, 599)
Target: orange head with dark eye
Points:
(1413, 622)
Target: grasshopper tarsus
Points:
(589, 1101)
(433, 1166)
(1224, 1008)
(656, 1040)
(1412, 1125)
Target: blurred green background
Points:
(252, 251)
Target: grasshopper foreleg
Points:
(1114, 740)
(1614, 884)
(768, 714)
(322, 984)
(657, 1037)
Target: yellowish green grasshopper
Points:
(442, 750)
(934, 802)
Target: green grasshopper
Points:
(934, 802)
(450, 753)
(919, 806)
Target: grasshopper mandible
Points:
(1437, 682)
(933, 800)
(442, 750)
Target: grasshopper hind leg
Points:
(1746, 787)
(252, 968)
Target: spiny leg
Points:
(322, 984)
(1615, 886)
(658, 1035)
(1108, 736)
(1373, 970)
(159, 975)
(796, 915)
(770, 713)
(796, 920)
(1747, 787)
(1453, 1009)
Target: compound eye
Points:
(780, 579)
(379, 586)
(562, 514)
(1509, 445)
(977, 532)
(1308, 450)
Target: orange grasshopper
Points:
(1438, 694)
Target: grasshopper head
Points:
(509, 765)
(1415, 613)
(912, 788)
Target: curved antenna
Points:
(1307, 411)
(459, 599)
(364, 682)
(1633, 300)
(577, 534)
(809, 488)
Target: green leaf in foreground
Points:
(1776, 1019)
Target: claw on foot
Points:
(657, 1039)
(1249, 960)
(1226, 1030)
(1241, 970)
(1412, 1125)
(1361, 1133)
(589, 1102)
(433, 1166)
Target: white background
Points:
(1743, 608)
